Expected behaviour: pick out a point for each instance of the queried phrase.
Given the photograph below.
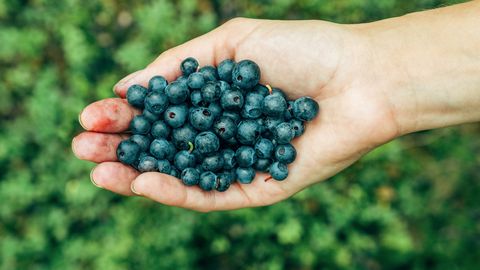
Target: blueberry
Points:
(232, 142)
(211, 92)
(190, 176)
(208, 181)
(253, 106)
(157, 84)
(261, 124)
(246, 74)
(171, 152)
(232, 115)
(271, 123)
(136, 95)
(278, 171)
(128, 152)
(285, 153)
(213, 162)
(160, 130)
(147, 164)
(196, 80)
(245, 175)
(188, 66)
(209, 73)
(298, 127)
(184, 159)
(140, 125)
(264, 148)
(247, 132)
(216, 109)
(262, 164)
(232, 100)
(224, 70)
(196, 99)
(305, 109)
(274, 105)
(164, 166)
(289, 112)
(224, 86)
(156, 102)
(207, 142)
(201, 118)
(229, 161)
(151, 117)
(184, 135)
(284, 133)
(160, 148)
(261, 89)
(174, 172)
(278, 91)
(177, 92)
(245, 156)
(183, 80)
(142, 141)
(175, 115)
(140, 156)
(224, 180)
(225, 128)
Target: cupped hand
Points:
(335, 64)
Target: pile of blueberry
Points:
(212, 126)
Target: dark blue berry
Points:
(232, 115)
(196, 80)
(274, 105)
(128, 152)
(183, 80)
(201, 118)
(213, 162)
(289, 112)
(196, 99)
(147, 164)
(224, 181)
(164, 166)
(232, 100)
(245, 175)
(175, 115)
(142, 141)
(224, 70)
(160, 130)
(211, 92)
(188, 66)
(136, 95)
(140, 125)
(271, 123)
(208, 181)
(177, 92)
(284, 133)
(190, 176)
(264, 148)
(245, 156)
(216, 109)
(261, 89)
(297, 126)
(209, 73)
(261, 124)
(207, 142)
(171, 152)
(278, 171)
(285, 153)
(156, 102)
(262, 164)
(253, 106)
(305, 109)
(229, 160)
(174, 172)
(160, 148)
(278, 91)
(224, 86)
(225, 128)
(157, 84)
(246, 74)
(232, 142)
(151, 117)
(184, 159)
(247, 132)
(183, 136)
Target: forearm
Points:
(433, 64)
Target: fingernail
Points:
(93, 181)
(80, 120)
(132, 187)
(125, 80)
(73, 143)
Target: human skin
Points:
(374, 82)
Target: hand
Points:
(331, 63)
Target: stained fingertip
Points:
(114, 176)
(96, 147)
(108, 115)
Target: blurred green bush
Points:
(412, 204)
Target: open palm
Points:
(328, 62)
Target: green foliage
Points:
(409, 204)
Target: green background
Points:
(413, 203)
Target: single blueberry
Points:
(245, 156)
(278, 171)
(151, 117)
(140, 125)
(201, 118)
(264, 148)
(271, 123)
(160, 148)
(288, 115)
(278, 91)
(224, 70)
(184, 136)
(216, 109)
(246, 74)
(196, 80)
(136, 95)
(207, 142)
(253, 106)
(188, 66)
(177, 92)
(232, 100)
(196, 99)
(174, 172)
(262, 164)
(142, 141)
(147, 164)
(176, 115)
(208, 181)
(247, 132)
(224, 86)
(211, 92)
(160, 130)
(128, 152)
(213, 162)
(224, 181)
(156, 102)
(261, 89)
(190, 176)
(285, 153)
(261, 124)
(284, 133)
(305, 108)
(274, 105)
(184, 159)
(171, 152)
(209, 73)
(157, 84)
(183, 80)
(229, 160)
(245, 175)
(225, 128)
(164, 166)
(298, 127)
(232, 115)
(140, 156)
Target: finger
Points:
(97, 147)
(171, 191)
(108, 115)
(114, 176)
